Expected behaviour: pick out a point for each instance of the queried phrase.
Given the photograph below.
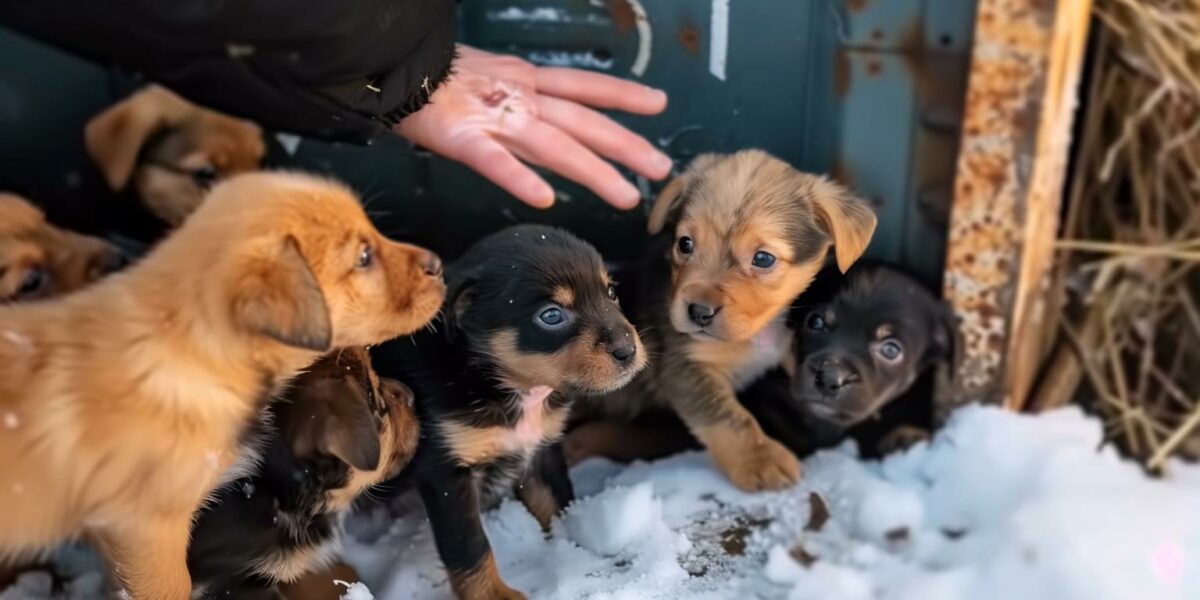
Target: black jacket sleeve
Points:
(340, 69)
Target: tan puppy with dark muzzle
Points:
(170, 150)
(123, 405)
(747, 234)
(39, 260)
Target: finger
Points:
(600, 91)
(492, 160)
(547, 146)
(605, 136)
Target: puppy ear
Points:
(459, 296)
(847, 219)
(671, 196)
(331, 416)
(665, 204)
(115, 137)
(278, 296)
(946, 348)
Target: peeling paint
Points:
(718, 45)
(645, 39)
(562, 58)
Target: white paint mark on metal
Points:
(718, 47)
(645, 38)
(290, 142)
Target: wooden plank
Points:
(1020, 105)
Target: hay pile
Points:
(1128, 263)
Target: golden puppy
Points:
(123, 405)
(171, 150)
(38, 260)
(747, 234)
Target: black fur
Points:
(877, 396)
(501, 284)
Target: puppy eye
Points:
(612, 292)
(815, 322)
(763, 260)
(34, 282)
(686, 245)
(552, 317)
(890, 350)
(204, 176)
(365, 257)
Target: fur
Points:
(493, 388)
(169, 150)
(39, 260)
(715, 222)
(127, 402)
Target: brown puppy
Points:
(337, 431)
(38, 260)
(124, 404)
(171, 150)
(747, 233)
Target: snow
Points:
(354, 591)
(996, 506)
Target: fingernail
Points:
(625, 195)
(662, 163)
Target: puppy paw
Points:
(763, 464)
(503, 592)
(901, 438)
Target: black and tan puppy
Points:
(531, 319)
(339, 430)
(862, 344)
(741, 236)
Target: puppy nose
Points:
(830, 376)
(702, 314)
(623, 352)
(431, 264)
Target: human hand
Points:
(497, 109)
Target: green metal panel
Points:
(869, 91)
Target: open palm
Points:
(496, 111)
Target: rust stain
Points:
(997, 188)
(874, 67)
(841, 73)
(857, 5)
(689, 38)
(622, 15)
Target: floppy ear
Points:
(278, 296)
(333, 418)
(459, 296)
(847, 219)
(665, 204)
(671, 196)
(947, 343)
(115, 137)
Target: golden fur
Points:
(39, 260)
(153, 138)
(123, 404)
(483, 583)
(732, 207)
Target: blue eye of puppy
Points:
(686, 245)
(763, 260)
(365, 257)
(815, 322)
(890, 350)
(552, 317)
(612, 292)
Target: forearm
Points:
(310, 67)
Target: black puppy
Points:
(864, 348)
(339, 430)
(530, 319)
